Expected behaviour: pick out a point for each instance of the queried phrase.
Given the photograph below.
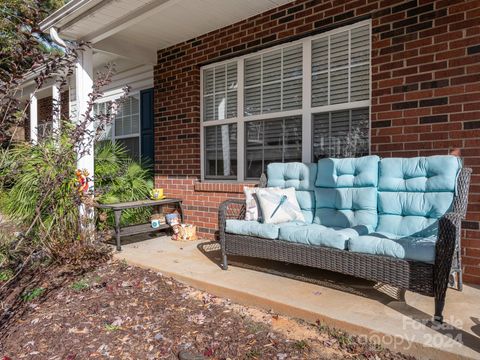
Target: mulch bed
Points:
(121, 312)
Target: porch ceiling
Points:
(140, 28)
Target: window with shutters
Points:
(125, 129)
(300, 101)
(277, 140)
(341, 67)
(221, 152)
(220, 92)
(273, 81)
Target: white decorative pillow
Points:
(279, 205)
(251, 211)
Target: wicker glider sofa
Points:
(394, 220)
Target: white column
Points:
(33, 118)
(84, 85)
(56, 107)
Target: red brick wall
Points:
(425, 91)
(44, 111)
(45, 107)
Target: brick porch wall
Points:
(44, 111)
(425, 92)
(45, 107)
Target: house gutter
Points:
(52, 24)
(70, 11)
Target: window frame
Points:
(306, 111)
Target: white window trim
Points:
(306, 111)
(131, 136)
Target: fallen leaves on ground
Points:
(123, 312)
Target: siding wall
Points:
(425, 92)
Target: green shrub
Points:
(118, 178)
(42, 187)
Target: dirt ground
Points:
(123, 312)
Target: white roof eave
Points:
(67, 13)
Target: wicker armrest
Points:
(448, 229)
(230, 209)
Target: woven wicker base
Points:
(404, 274)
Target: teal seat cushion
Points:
(346, 193)
(252, 228)
(346, 207)
(413, 193)
(409, 248)
(299, 176)
(319, 235)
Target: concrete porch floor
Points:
(351, 304)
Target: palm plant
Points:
(118, 178)
(28, 197)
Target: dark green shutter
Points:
(147, 121)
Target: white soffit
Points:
(140, 28)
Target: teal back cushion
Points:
(346, 192)
(413, 193)
(299, 176)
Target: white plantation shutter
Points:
(231, 91)
(320, 72)
(292, 62)
(272, 67)
(277, 140)
(253, 71)
(359, 82)
(292, 140)
(273, 81)
(292, 78)
(341, 68)
(360, 63)
(106, 133)
(292, 94)
(360, 45)
(208, 107)
(220, 92)
(220, 151)
(339, 50)
(339, 86)
(253, 101)
(271, 97)
(321, 135)
(320, 55)
(320, 89)
(360, 131)
(127, 120)
(341, 133)
(125, 128)
(339, 128)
